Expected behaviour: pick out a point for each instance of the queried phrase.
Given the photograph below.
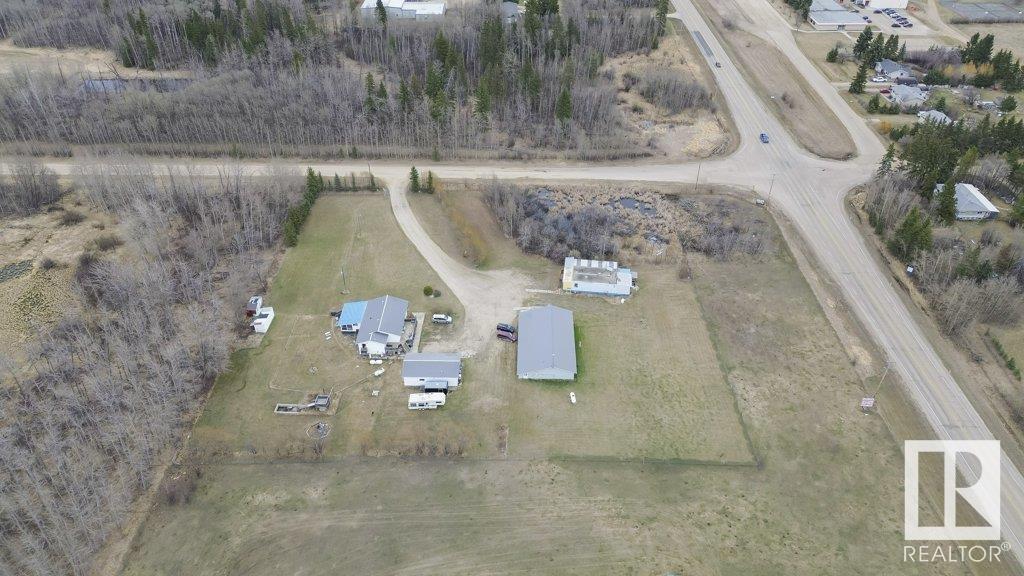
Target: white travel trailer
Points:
(261, 323)
(427, 401)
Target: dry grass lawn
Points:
(826, 499)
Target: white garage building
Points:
(432, 371)
(971, 204)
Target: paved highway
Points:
(808, 189)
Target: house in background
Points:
(598, 277)
(971, 204)
(433, 372)
(381, 327)
(547, 344)
(933, 116)
(404, 10)
(892, 70)
(907, 96)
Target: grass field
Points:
(608, 486)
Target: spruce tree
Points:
(857, 85)
(833, 54)
(946, 210)
(563, 108)
(863, 42)
(414, 180)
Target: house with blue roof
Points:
(351, 316)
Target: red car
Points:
(508, 336)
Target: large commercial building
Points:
(828, 15)
(547, 344)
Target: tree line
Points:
(468, 82)
(105, 391)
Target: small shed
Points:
(261, 323)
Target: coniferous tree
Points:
(946, 209)
(857, 85)
(863, 42)
(833, 54)
(414, 180)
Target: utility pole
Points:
(770, 186)
(696, 184)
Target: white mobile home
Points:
(598, 277)
(426, 401)
(432, 371)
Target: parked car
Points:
(718, 64)
(764, 138)
(895, 25)
(908, 25)
(441, 319)
(865, 18)
(878, 11)
(879, 79)
(509, 336)
(507, 328)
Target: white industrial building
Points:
(881, 4)
(971, 204)
(547, 344)
(382, 325)
(598, 277)
(828, 15)
(432, 371)
(404, 10)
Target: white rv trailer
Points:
(426, 401)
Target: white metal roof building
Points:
(599, 277)
(828, 15)
(547, 344)
(404, 10)
(432, 371)
(382, 325)
(971, 204)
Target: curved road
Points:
(808, 189)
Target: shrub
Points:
(428, 290)
(107, 242)
(47, 263)
(668, 91)
(71, 217)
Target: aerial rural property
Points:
(702, 287)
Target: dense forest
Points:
(272, 77)
(106, 390)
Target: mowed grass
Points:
(350, 249)
(650, 384)
(826, 500)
